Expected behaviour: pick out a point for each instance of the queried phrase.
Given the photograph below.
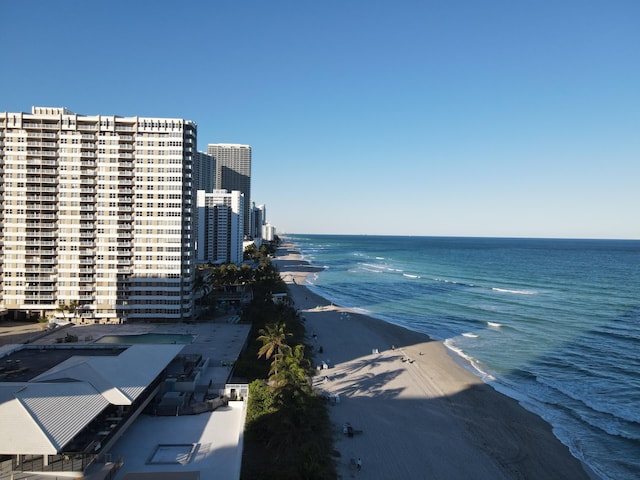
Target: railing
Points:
(57, 463)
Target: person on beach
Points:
(359, 464)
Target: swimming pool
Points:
(148, 338)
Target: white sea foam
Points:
(515, 292)
(410, 276)
(469, 362)
(494, 324)
(469, 335)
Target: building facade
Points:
(220, 226)
(96, 215)
(233, 172)
(204, 172)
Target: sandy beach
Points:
(415, 411)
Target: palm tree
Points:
(273, 338)
(290, 368)
(202, 285)
(71, 308)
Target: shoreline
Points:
(421, 411)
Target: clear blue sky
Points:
(449, 117)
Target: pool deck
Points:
(217, 435)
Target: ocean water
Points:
(554, 324)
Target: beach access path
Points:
(416, 412)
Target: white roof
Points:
(41, 416)
(121, 379)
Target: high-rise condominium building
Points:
(233, 172)
(258, 219)
(96, 214)
(220, 226)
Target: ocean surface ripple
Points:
(552, 323)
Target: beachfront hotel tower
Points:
(96, 213)
(233, 172)
(220, 226)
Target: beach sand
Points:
(426, 417)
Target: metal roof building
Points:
(61, 410)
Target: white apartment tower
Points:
(96, 211)
(220, 226)
(233, 172)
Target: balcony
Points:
(42, 171)
(40, 298)
(41, 198)
(40, 288)
(40, 243)
(41, 270)
(41, 216)
(46, 125)
(41, 226)
(40, 162)
(39, 180)
(42, 189)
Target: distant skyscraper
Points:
(233, 172)
(96, 212)
(258, 219)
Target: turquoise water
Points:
(147, 338)
(552, 323)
